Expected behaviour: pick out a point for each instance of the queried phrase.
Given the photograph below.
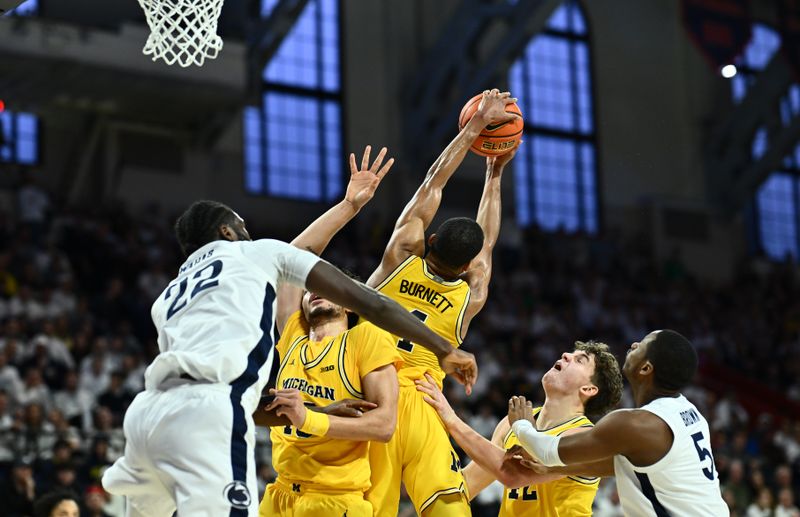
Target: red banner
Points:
(719, 28)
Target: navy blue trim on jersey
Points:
(650, 493)
(255, 360)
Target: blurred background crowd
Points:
(75, 337)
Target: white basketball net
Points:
(182, 31)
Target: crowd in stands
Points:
(75, 337)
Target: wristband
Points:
(316, 423)
(541, 446)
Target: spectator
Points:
(19, 491)
(762, 507)
(10, 382)
(34, 390)
(116, 398)
(74, 403)
(7, 430)
(737, 486)
(94, 502)
(484, 422)
(62, 503)
(36, 437)
(786, 507)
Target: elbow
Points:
(385, 429)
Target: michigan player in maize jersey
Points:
(660, 453)
(584, 382)
(190, 433)
(445, 289)
(322, 463)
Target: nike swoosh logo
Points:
(495, 127)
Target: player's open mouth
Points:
(314, 298)
(557, 366)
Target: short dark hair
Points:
(674, 360)
(199, 224)
(607, 377)
(458, 240)
(47, 503)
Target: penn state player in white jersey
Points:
(660, 453)
(190, 434)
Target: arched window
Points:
(555, 171)
(19, 138)
(777, 202)
(293, 143)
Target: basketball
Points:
(497, 139)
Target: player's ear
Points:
(433, 237)
(589, 390)
(228, 233)
(646, 368)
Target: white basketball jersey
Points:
(215, 320)
(684, 483)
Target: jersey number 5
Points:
(207, 281)
(408, 346)
(704, 453)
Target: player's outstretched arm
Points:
(487, 455)
(598, 469)
(639, 435)
(360, 190)
(330, 283)
(479, 273)
(408, 237)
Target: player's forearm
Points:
(490, 209)
(541, 446)
(483, 452)
(268, 418)
(452, 156)
(599, 469)
(330, 283)
(377, 425)
(318, 235)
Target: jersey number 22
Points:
(201, 281)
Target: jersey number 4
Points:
(408, 346)
(704, 453)
(201, 281)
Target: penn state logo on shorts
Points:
(238, 495)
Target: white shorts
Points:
(188, 448)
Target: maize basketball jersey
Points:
(438, 303)
(570, 496)
(325, 372)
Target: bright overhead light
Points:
(728, 71)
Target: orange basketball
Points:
(497, 139)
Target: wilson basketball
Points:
(496, 139)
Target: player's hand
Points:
(492, 109)
(462, 366)
(495, 164)
(513, 463)
(364, 181)
(352, 408)
(435, 397)
(519, 409)
(518, 455)
(290, 404)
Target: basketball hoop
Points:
(182, 31)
